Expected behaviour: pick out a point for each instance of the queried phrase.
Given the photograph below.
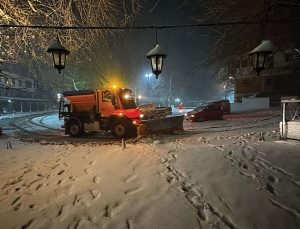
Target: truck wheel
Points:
(119, 130)
(161, 115)
(74, 129)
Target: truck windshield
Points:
(127, 98)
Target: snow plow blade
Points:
(161, 126)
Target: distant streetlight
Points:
(260, 55)
(148, 76)
(225, 87)
(9, 105)
(59, 54)
(156, 56)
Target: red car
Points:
(203, 113)
(224, 104)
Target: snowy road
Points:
(231, 173)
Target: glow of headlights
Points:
(126, 96)
(192, 116)
(141, 115)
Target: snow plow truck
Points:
(108, 110)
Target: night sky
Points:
(186, 49)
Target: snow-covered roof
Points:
(56, 45)
(265, 46)
(157, 50)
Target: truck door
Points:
(106, 106)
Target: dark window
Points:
(278, 85)
(247, 82)
(28, 84)
(268, 81)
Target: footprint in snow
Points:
(132, 191)
(96, 179)
(111, 210)
(131, 178)
(87, 170)
(60, 172)
(16, 203)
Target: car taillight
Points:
(136, 121)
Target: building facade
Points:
(19, 93)
(279, 79)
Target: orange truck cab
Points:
(96, 110)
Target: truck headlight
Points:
(141, 115)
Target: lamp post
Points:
(260, 55)
(156, 56)
(59, 54)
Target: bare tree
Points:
(234, 42)
(88, 47)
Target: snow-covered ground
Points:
(213, 175)
(17, 114)
(49, 120)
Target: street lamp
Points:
(148, 76)
(9, 105)
(260, 54)
(225, 87)
(156, 56)
(59, 54)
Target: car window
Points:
(198, 109)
